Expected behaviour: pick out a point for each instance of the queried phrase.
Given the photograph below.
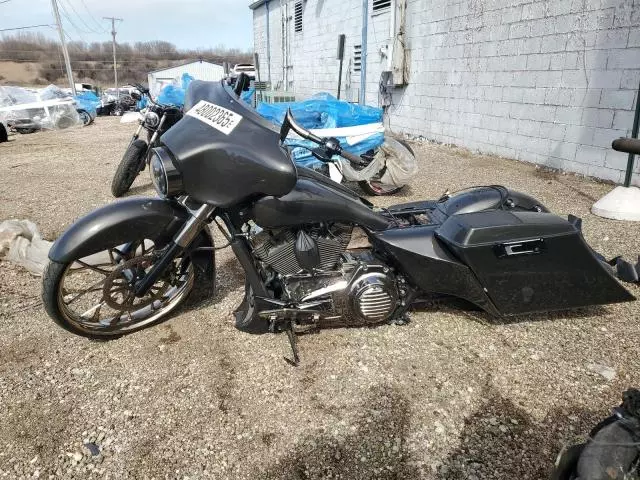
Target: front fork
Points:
(137, 134)
(180, 242)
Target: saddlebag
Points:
(530, 261)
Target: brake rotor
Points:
(118, 290)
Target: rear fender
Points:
(118, 223)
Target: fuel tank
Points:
(316, 199)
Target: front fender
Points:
(118, 223)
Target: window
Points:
(357, 58)
(298, 17)
(380, 6)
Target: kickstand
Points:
(293, 341)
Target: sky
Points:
(185, 23)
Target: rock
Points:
(493, 421)
(101, 436)
(77, 457)
(609, 373)
(93, 448)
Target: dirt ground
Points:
(452, 395)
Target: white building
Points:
(199, 70)
(546, 81)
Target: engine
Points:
(312, 249)
(326, 283)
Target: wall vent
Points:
(357, 58)
(380, 6)
(297, 22)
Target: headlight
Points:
(166, 179)
(151, 119)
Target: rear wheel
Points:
(93, 296)
(131, 164)
(375, 186)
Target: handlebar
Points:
(332, 145)
(627, 145)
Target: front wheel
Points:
(93, 296)
(131, 164)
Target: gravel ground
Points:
(452, 395)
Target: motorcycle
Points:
(315, 254)
(612, 449)
(156, 120)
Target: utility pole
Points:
(65, 53)
(115, 68)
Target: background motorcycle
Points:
(314, 254)
(156, 120)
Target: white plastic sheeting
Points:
(400, 165)
(21, 243)
(30, 110)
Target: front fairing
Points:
(224, 164)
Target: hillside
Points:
(33, 59)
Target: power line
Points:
(66, 15)
(91, 29)
(102, 29)
(5, 1)
(28, 26)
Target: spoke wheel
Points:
(94, 296)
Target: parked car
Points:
(28, 110)
(246, 68)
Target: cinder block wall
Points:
(549, 81)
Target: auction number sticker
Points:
(215, 116)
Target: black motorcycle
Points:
(612, 449)
(314, 254)
(156, 120)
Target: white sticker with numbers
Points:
(215, 116)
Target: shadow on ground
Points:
(376, 448)
(500, 440)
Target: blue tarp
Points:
(248, 95)
(323, 110)
(174, 93)
(88, 101)
(142, 103)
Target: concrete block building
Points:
(545, 81)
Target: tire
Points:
(85, 117)
(198, 286)
(130, 165)
(375, 188)
(4, 136)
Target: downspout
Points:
(363, 51)
(282, 40)
(268, 45)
